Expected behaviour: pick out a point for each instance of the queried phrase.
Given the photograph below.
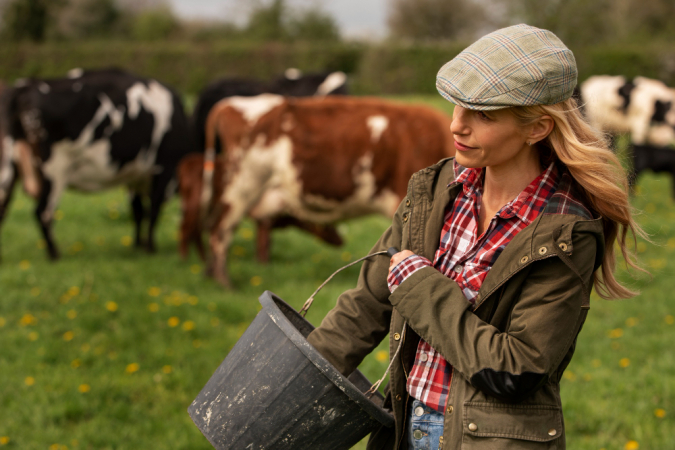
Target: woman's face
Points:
(489, 138)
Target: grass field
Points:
(106, 348)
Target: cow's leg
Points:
(7, 183)
(139, 213)
(263, 233)
(47, 201)
(162, 188)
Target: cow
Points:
(92, 131)
(292, 83)
(642, 108)
(318, 160)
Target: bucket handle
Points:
(391, 251)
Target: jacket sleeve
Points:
(509, 364)
(361, 317)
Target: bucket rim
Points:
(269, 301)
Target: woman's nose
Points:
(458, 124)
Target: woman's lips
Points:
(462, 148)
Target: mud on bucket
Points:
(275, 391)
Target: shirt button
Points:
(458, 268)
(473, 427)
(397, 336)
(419, 411)
(424, 357)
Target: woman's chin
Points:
(467, 161)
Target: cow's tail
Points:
(209, 165)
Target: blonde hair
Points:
(601, 180)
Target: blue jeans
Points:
(425, 430)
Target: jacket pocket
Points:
(502, 426)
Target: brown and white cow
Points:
(318, 160)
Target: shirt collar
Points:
(539, 189)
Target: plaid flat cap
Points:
(519, 65)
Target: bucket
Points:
(275, 391)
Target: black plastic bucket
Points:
(274, 391)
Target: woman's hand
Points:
(397, 258)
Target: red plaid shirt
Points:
(467, 258)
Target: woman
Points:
(500, 249)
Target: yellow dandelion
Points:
(660, 413)
(35, 291)
(670, 319)
(93, 296)
(238, 250)
(71, 314)
(85, 347)
(641, 247)
(650, 208)
(54, 447)
(28, 319)
(316, 258)
(631, 321)
(195, 269)
(632, 445)
(111, 306)
(4, 440)
(33, 336)
(2, 322)
(153, 307)
(671, 243)
(75, 363)
(167, 369)
(188, 325)
(100, 240)
(215, 321)
(133, 367)
(587, 377)
(196, 343)
(382, 356)
(112, 355)
(346, 256)
(615, 333)
(29, 381)
(41, 244)
(77, 247)
(256, 280)
(193, 300)
(211, 306)
(68, 336)
(84, 388)
(73, 291)
(126, 241)
(65, 298)
(113, 214)
(173, 321)
(658, 263)
(24, 265)
(246, 234)
(616, 345)
(624, 362)
(154, 291)
(596, 363)
(58, 214)
(569, 375)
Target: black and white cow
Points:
(92, 131)
(642, 108)
(292, 83)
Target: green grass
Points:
(100, 321)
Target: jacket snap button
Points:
(524, 259)
(563, 246)
(407, 202)
(473, 427)
(398, 398)
(552, 432)
(419, 411)
(449, 409)
(405, 217)
(543, 250)
(397, 336)
(417, 434)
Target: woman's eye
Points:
(483, 116)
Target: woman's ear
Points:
(540, 129)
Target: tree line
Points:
(577, 22)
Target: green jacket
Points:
(508, 351)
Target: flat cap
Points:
(519, 65)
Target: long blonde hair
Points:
(600, 178)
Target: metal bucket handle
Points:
(391, 251)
